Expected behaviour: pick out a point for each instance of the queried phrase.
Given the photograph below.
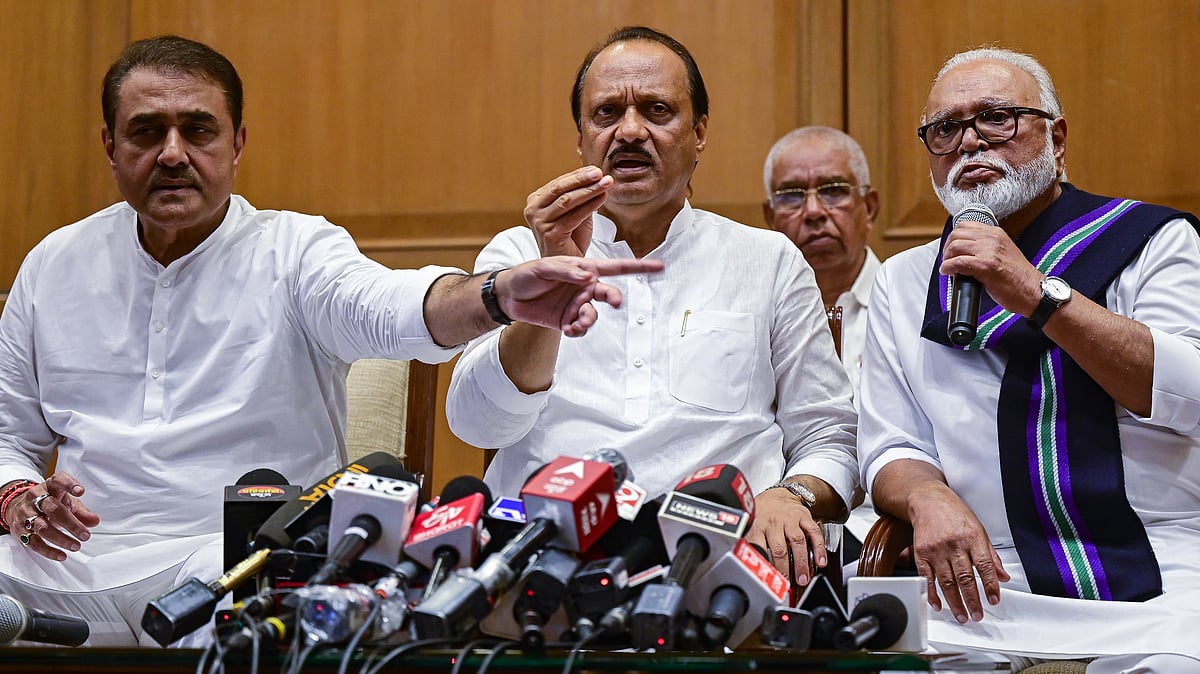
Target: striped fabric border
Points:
(1076, 556)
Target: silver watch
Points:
(806, 496)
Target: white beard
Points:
(1012, 192)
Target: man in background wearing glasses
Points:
(1054, 461)
(819, 194)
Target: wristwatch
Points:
(806, 496)
(1055, 293)
(487, 292)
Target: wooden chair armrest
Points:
(885, 542)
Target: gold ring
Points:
(37, 503)
(25, 538)
(29, 521)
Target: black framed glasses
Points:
(994, 125)
(831, 195)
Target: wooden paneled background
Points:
(420, 125)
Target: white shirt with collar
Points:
(854, 319)
(725, 357)
(164, 384)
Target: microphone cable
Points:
(579, 645)
(499, 648)
(376, 610)
(408, 648)
(465, 651)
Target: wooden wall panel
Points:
(52, 165)
(1121, 69)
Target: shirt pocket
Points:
(712, 359)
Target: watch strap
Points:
(1045, 308)
(487, 291)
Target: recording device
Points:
(569, 503)
(899, 606)
(786, 627)
(732, 596)
(540, 592)
(30, 624)
(189, 606)
(362, 505)
(701, 520)
(965, 291)
(248, 504)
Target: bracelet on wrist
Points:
(12, 491)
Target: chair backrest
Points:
(835, 326)
(390, 408)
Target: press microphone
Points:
(877, 622)
(248, 504)
(312, 507)
(732, 596)
(447, 537)
(569, 504)
(361, 506)
(31, 624)
(966, 290)
(701, 520)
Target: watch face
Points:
(1056, 289)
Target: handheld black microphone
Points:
(966, 290)
(876, 623)
(31, 624)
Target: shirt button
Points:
(166, 283)
(158, 326)
(638, 362)
(641, 318)
(155, 373)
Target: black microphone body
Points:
(31, 624)
(877, 622)
(966, 290)
(361, 534)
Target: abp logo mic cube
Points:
(575, 494)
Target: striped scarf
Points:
(1060, 450)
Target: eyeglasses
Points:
(831, 195)
(994, 125)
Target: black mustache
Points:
(631, 149)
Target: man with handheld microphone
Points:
(1044, 444)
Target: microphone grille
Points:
(621, 469)
(12, 619)
(976, 213)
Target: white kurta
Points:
(166, 384)
(725, 357)
(854, 318)
(924, 401)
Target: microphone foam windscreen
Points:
(262, 476)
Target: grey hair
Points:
(1046, 91)
(854, 154)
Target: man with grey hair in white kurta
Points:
(1050, 467)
